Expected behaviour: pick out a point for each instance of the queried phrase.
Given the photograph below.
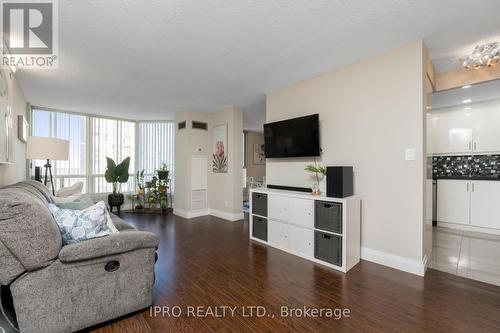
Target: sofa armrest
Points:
(109, 245)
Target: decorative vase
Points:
(315, 189)
(115, 199)
(163, 175)
(163, 204)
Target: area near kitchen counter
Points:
(464, 129)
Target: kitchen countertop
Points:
(494, 178)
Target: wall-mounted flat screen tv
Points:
(297, 137)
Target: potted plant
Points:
(139, 176)
(319, 171)
(116, 174)
(153, 193)
(163, 172)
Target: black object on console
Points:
(339, 181)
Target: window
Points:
(115, 139)
(65, 126)
(155, 147)
(92, 139)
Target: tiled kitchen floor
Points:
(469, 254)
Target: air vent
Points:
(198, 199)
(182, 125)
(200, 125)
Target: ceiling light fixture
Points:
(484, 55)
(465, 101)
(466, 87)
(467, 108)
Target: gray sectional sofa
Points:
(54, 288)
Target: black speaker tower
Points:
(339, 181)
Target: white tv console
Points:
(318, 228)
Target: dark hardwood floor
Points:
(211, 262)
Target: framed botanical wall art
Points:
(220, 151)
(259, 157)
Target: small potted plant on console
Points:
(319, 171)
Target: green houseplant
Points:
(116, 174)
(318, 171)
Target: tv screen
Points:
(295, 137)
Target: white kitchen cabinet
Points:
(451, 132)
(453, 201)
(471, 130)
(278, 207)
(485, 204)
(486, 129)
(278, 233)
(301, 212)
(301, 240)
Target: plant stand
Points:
(165, 197)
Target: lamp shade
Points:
(41, 148)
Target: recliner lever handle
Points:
(112, 266)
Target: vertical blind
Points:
(115, 139)
(69, 127)
(156, 146)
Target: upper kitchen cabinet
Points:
(486, 130)
(466, 120)
(451, 132)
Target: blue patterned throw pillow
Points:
(80, 225)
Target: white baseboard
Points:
(466, 227)
(391, 260)
(426, 262)
(225, 215)
(214, 212)
(190, 214)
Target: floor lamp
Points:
(41, 148)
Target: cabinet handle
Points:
(470, 145)
(467, 187)
(475, 146)
(473, 187)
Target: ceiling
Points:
(151, 59)
(467, 95)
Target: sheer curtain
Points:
(67, 126)
(156, 146)
(92, 139)
(115, 139)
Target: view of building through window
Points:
(92, 139)
(70, 127)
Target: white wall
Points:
(226, 189)
(14, 172)
(225, 197)
(370, 112)
(257, 171)
(186, 143)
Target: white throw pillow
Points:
(73, 189)
(80, 225)
(110, 224)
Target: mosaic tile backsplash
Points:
(477, 166)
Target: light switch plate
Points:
(410, 154)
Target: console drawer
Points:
(259, 204)
(259, 228)
(328, 216)
(328, 247)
